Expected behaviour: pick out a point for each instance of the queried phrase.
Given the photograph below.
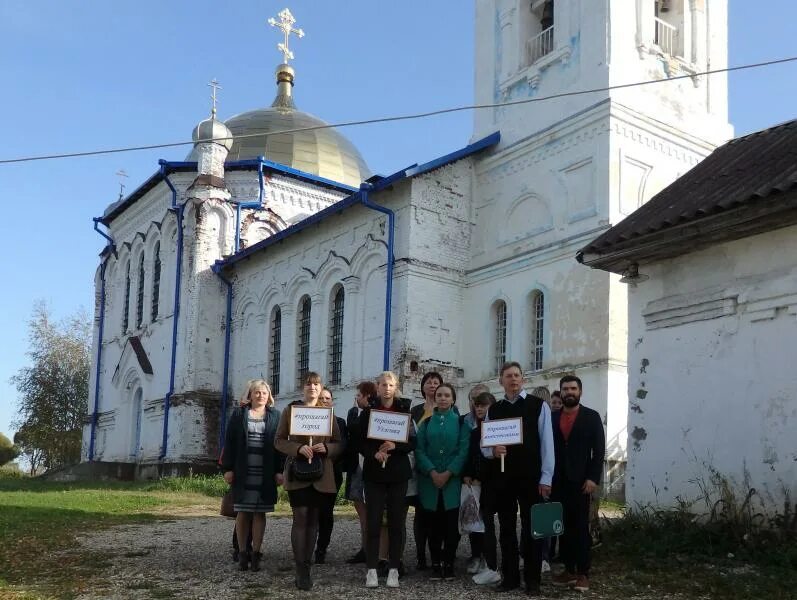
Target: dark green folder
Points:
(546, 520)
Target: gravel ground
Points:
(191, 558)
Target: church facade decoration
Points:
(483, 245)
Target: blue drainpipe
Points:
(391, 216)
(94, 415)
(254, 204)
(228, 321)
(225, 376)
(176, 313)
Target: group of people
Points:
(560, 458)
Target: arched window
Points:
(275, 350)
(303, 340)
(140, 293)
(156, 281)
(499, 347)
(336, 338)
(537, 329)
(126, 307)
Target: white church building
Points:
(268, 253)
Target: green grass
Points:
(38, 517)
(675, 552)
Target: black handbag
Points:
(307, 470)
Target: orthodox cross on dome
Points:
(122, 175)
(215, 85)
(286, 25)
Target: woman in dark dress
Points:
(252, 467)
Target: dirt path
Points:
(190, 558)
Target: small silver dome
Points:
(213, 129)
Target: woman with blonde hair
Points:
(252, 467)
(386, 471)
(307, 497)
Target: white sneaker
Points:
(546, 567)
(371, 579)
(392, 579)
(487, 577)
(475, 565)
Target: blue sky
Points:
(91, 74)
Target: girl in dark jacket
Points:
(252, 467)
(386, 471)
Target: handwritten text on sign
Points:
(311, 420)
(502, 432)
(394, 427)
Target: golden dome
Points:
(322, 152)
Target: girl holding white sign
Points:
(441, 452)
(386, 471)
(307, 495)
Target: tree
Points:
(8, 451)
(54, 390)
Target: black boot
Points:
(320, 556)
(357, 558)
(256, 557)
(448, 571)
(303, 579)
(243, 561)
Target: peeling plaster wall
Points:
(122, 435)
(349, 249)
(712, 384)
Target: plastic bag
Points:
(470, 515)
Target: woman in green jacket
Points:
(440, 455)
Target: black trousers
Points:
(381, 497)
(326, 521)
(443, 528)
(511, 495)
(575, 542)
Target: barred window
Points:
(537, 329)
(126, 307)
(336, 338)
(156, 281)
(275, 352)
(499, 357)
(303, 341)
(140, 293)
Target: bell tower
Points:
(527, 49)
(569, 167)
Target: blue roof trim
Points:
(486, 142)
(118, 207)
(355, 198)
(339, 206)
(290, 171)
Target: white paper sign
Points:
(311, 420)
(389, 426)
(502, 432)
